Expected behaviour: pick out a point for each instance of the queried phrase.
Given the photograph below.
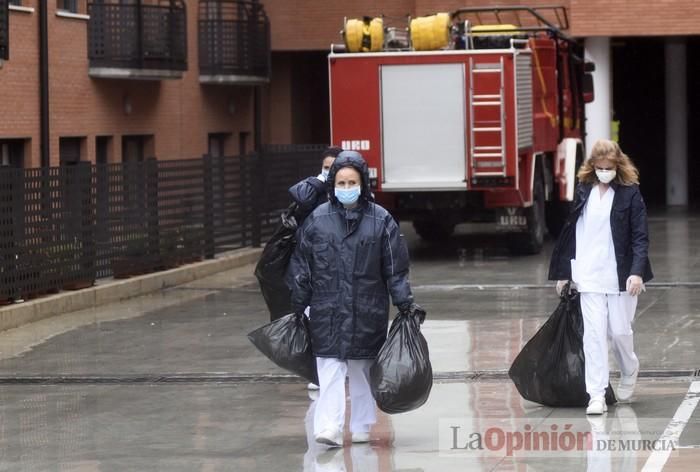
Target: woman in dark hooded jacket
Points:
(350, 258)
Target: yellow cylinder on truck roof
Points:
(364, 35)
(430, 32)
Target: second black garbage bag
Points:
(287, 343)
(550, 368)
(401, 376)
(272, 266)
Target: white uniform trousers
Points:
(330, 406)
(607, 318)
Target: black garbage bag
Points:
(401, 376)
(287, 342)
(272, 266)
(550, 368)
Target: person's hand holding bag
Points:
(414, 309)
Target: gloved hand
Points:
(635, 285)
(289, 221)
(413, 309)
(560, 286)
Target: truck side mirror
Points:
(588, 92)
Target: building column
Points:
(676, 123)
(599, 111)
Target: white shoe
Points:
(330, 437)
(360, 437)
(596, 406)
(626, 387)
(312, 386)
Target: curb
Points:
(111, 291)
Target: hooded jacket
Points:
(346, 265)
(630, 234)
(311, 192)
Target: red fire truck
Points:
(474, 115)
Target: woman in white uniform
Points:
(603, 249)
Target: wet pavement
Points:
(170, 382)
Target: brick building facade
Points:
(110, 119)
(178, 117)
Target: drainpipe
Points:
(44, 83)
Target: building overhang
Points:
(231, 79)
(133, 74)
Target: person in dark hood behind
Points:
(311, 192)
(350, 257)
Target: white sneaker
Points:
(626, 387)
(596, 406)
(312, 386)
(330, 437)
(360, 437)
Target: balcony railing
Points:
(4, 29)
(141, 39)
(234, 42)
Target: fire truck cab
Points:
(474, 115)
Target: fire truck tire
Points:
(433, 230)
(531, 241)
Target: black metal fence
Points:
(138, 35)
(4, 29)
(234, 38)
(63, 227)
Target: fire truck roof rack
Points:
(551, 19)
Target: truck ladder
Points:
(487, 143)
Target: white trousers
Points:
(607, 318)
(330, 406)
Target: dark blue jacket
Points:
(308, 194)
(630, 234)
(346, 265)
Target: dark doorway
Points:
(102, 149)
(639, 105)
(132, 148)
(12, 153)
(693, 55)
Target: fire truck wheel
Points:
(433, 230)
(531, 240)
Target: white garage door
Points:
(423, 127)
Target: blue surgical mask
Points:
(347, 196)
(325, 172)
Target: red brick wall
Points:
(315, 24)
(19, 82)
(178, 113)
(635, 17)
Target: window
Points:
(68, 5)
(69, 151)
(12, 153)
(16, 2)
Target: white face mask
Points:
(605, 176)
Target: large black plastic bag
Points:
(550, 368)
(287, 343)
(401, 376)
(272, 267)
